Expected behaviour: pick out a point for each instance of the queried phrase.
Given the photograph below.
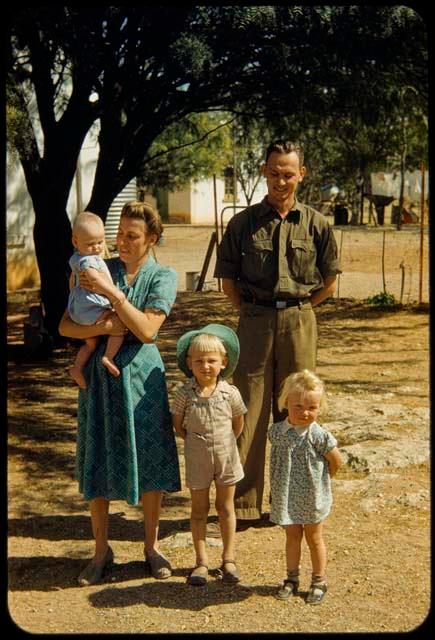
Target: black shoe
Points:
(198, 578)
(316, 593)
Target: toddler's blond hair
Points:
(206, 342)
(301, 381)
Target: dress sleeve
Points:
(238, 407)
(323, 441)
(163, 290)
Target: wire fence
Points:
(373, 260)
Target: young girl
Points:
(303, 458)
(207, 413)
(85, 306)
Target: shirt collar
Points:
(195, 386)
(266, 207)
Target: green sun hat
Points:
(228, 337)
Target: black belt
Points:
(277, 304)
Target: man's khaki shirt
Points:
(272, 258)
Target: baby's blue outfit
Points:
(300, 484)
(85, 307)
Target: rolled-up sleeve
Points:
(328, 261)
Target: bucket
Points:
(192, 279)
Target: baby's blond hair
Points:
(85, 219)
(301, 382)
(206, 342)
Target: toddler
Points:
(208, 413)
(84, 306)
(303, 458)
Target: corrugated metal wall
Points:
(128, 193)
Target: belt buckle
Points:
(280, 304)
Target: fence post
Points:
(383, 263)
(339, 260)
(420, 284)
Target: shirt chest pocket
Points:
(301, 258)
(258, 260)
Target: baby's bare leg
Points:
(113, 345)
(83, 355)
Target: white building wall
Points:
(203, 205)
(179, 206)
(81, 188)
(22, 268)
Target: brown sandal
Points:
(93, 572)
(159, 566)
(198, 579)
(228, 575)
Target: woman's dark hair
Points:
(144, 211)
(285, 146)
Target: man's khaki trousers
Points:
(273, 344)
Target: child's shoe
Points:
(198, 575)
(289, 588)
(316, 593)
(228, 573)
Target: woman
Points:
(125, 444)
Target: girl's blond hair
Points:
(301, 382)
(206, 342)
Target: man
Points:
(277, 260)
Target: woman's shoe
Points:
(229, 574)
(160, 566)
(316, 593)
(197, 577)
(289, 588)
(93, 572)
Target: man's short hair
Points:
(285, 146)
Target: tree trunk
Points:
(52, 237)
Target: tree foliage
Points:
(142, 70)
(196, 147)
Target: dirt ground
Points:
(377, 535)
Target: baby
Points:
(84, 306)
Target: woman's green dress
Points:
(125, 442)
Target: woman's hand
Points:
(111, 325)
(97, 282)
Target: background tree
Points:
(147, 68)
(196, 147)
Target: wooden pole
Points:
(383, 263)
(339, 260)
(420, 284)
(206, 261)
(216, 223)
